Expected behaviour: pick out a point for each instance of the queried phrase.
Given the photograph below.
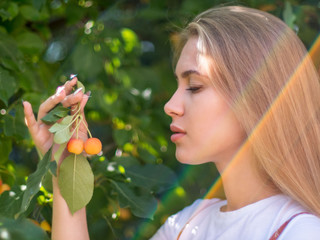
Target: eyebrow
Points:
(187, 73)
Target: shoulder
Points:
(198, 206)
(304, 226)
(174, 224)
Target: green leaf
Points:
(153, 177)
(53, 168)
(288, 16)
(7, 85)
(62, 136)
(30, 43)
(61, 112)
(14, 126)
(10, 55)
(140, 201)
(76, 181)
(146, 155)
(130, 39)
(10, 202)
(4, 14)
(47, 182)
(47, 179)
(30, 13)
(5, 149)
(55, 114)
(122, 136)
(125, 161)
(79, 85)
(59, 152)
(89, 66)
(21, 229)
(34, 181)
(62, 125)
(38, 4)
(10, 13)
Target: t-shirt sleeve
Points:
(301, 228)
(172, 227)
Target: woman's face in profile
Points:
(203, 125)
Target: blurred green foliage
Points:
(121, 51)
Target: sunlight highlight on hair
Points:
(314, 54)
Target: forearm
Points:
(64, 224)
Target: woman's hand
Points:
(64, 224)
(39, 131)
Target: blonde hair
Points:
(261, 66)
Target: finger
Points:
(30, 118)
(82, 133)
(84, 101)
(74, 108)
(70, 84)
(50, 103)
(82, 105)
(73, 99)
(60, 97)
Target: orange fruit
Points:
(92, 146)
(4, 187)
(125, 214)
(75, 146)
(45, 226)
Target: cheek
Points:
(215, 133)
(210, 116)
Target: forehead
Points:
(188, 59)
(191, 60)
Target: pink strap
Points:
(283, 226)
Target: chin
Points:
(189, 159)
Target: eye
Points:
(193, 89)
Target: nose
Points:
(174, 107)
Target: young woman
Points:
(248, 98)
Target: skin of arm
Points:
(64, 224)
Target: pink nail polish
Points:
(72, 76)
(59, 90)
(78, 90)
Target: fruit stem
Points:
(77, 121)
(77, 127)
(86, 127)
(77, 112)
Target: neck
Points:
(243, 185)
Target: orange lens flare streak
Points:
(314, 53)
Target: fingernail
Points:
(72, 76)
(88, 93)
(59, 90)
(78, 90)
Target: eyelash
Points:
(193, 89)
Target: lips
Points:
(178, 133)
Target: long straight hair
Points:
(263, 69)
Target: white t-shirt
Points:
(258, 221)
